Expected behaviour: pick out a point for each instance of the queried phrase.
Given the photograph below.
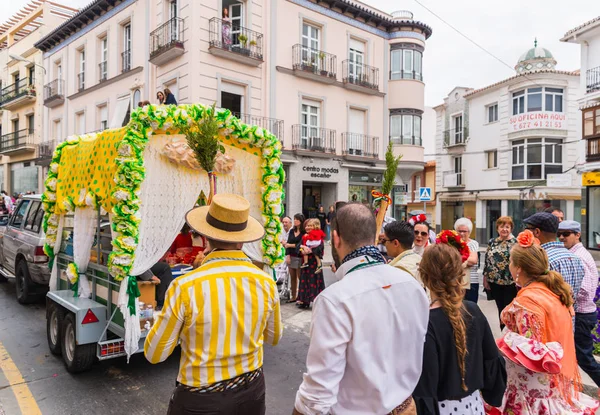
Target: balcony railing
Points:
(166, 36)
(103, 71)
(305, 137)
(593, 149)
(126, 59)
(454, 179)
(54, 89)
(592, 79)
(402, 74)
(46, 149)
(456, 137)
(18, 89)
(360, 145)
(414, 140)
(360, 74)
(313, 60)
(81, 81)
(16, 140)
(273, 125)
(235, 38)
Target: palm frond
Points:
(389, 175)
(203, 138)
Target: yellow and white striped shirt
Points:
(222, 312)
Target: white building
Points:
(588, 36)
(498, 146)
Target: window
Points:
(538, 99)
(137, 98)
(126, 47)
(17, 220)
(310, 43)
(591, 122)
(56, 130)
(535, 158)
(593, 205)
(405, 129)
(34, 218)
(80, 123)
(406, 64)
(103, 66)
(31, 123)
(492, 113)
(416, 196)
(310, 121)
(81, 75)
(103, 117)
(356, 58)
(31, 75)
(492, 159)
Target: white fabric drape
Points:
(84, 231)
(131, 322)
(54, 273)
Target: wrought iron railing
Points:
(126, 61)
(165, 36)
(229, 36)
(46, 149)
(103, 71)
(313, 60)
(273, 125)
(354, 144)
(456, 137)
(53, 89)
(360, 74)
(306, 137)
(592, 79)
(81, 81)
(593, 149)
(415, 140)
(16, 140)
(20, 88)
(454, 178)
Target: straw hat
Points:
(227, 219)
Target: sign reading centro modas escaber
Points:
(320, 172)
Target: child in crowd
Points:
(313, 237)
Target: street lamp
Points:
(22, 59)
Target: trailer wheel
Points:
(78, 358)
(54, 318)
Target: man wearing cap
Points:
(544, 226)
(569, 233)
(222, 313)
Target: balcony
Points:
(592, 79)
(314, 64)
(360, 77)
(273, 125)
(454, 179)
(593, 149)
(18, 94)
(103, 71)
(405, 75)
(17, 143)
(126, 61)
(235, 42)
(455, 141)
(54, 93)
(314, 141)
(360, 146)
(166, 42)
(81, 81)
(45, 152)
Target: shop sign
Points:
(590, 178)
(400, 198)
(538, 119)
(320, 172)
(559, 180)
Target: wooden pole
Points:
(383, 207)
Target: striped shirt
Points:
(567, 264)
(222, 312)
(585, 298)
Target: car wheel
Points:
(23, 284)
(78, 358)
(54, 317)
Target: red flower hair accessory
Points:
(417, 219)
(453, 239)
(526, 239)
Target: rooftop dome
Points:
(536, 58)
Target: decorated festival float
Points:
(116, 200)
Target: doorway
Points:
(315, 195)
(232, 102)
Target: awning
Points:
(120, 113)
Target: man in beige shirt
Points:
(398, 239)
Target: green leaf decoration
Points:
(389, 175)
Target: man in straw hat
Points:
(222, 313)
(367, 330)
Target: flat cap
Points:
(544, 221)
(570, 225)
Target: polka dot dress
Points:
(470, 405)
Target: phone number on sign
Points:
(537, 124)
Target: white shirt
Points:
(367, 338)
(8, 203)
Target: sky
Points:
(505, 28)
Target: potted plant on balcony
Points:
(253, 45)
(243, 41)
(30, 90)
(322, 60)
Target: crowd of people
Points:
(412, 294)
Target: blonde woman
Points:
(461, 363)
(543, 377)
(311, 277)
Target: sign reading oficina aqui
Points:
(538, 119)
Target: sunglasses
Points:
(565, 234)
(422, 233)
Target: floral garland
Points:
(131, 172)
(73, 277)
(453, 239)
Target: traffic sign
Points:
(425, 194)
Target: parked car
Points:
(22, 250)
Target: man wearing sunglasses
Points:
(569, 233)
(398, 239)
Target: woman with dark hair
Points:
(461, 363)
(293, 250)
(226, 29)
(160, 96)
(170, 98)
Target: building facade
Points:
(425, 178)
(21, 95)
(334, 81)
(588, 36)
(510, 148)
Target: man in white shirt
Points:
(7, 201)
(367, 331)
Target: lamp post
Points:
(22, 59)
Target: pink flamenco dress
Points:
(538, 344)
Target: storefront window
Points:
(493, 212)
(522, 209)
(593, 215)
(361, 186)
(24, 179)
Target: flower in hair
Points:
(417, 219)
(453, 239)
(526, 239)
